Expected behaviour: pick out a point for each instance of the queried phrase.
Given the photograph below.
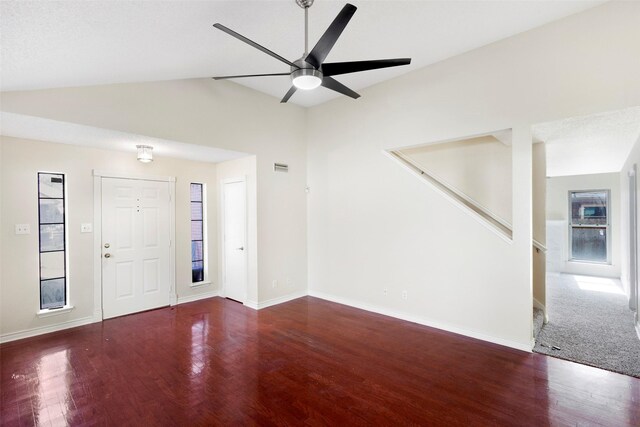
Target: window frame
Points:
(607, 227)
(66, 306)
(203, 203)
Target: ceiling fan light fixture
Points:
(306, 78)
(145, 153)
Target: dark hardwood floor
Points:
(215, 362)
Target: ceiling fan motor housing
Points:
(304, 3)
(305, 76)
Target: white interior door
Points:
(235, 230)
(135, 246)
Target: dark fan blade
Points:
(329, 38)
(335, 68)
(333, 84)
(254, 44)
(288, 94)
(251, 75)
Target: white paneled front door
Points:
(135, 246)
(234, 201)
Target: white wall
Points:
(634, 158)
(374, 226)
(539, 203)
(214, 113)
(21, 160)
(558, 210)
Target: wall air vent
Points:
(280, 167)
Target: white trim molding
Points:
(13, 336)
(197, 285)
(124, 175)
(275, 301)
(48, 312)
(198, 297)
(173, 292)
(423, 321)
(251, 304)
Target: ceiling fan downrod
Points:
(305, 4)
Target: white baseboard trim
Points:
(197, 297)
(275, 301)
(539, 305)
(423, 321)
(12, 336)
(251, 304)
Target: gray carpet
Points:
(538, 321)
(590, 323)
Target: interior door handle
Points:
(241, 248)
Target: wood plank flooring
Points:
(305, 362)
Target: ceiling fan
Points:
(310, 71)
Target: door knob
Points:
(107, 255)
(106, 245)
(241, 248)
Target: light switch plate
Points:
(86, 227)
(23, 229)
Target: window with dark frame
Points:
(589, 226)
(197, 233)
(52, 238)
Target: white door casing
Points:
(234, 219)
(633, 245)
(135, 245)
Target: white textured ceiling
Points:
(598, 143)
(29, 127)
(49, 44)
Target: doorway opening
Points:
(587, 285)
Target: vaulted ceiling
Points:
(76, 43)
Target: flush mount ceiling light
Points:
(310, 71)
(145, 153)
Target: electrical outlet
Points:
(23, 229)
(404, 295)
(274, 284)
(289, 283)
(385, 291)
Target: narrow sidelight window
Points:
(51, 222)
(589, 225)
(197, 233)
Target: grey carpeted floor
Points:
(590, 323)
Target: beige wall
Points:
(558, 209)
(479, 168)
(373, 226)
(221, 114)
(538, 221)
(21, 160)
